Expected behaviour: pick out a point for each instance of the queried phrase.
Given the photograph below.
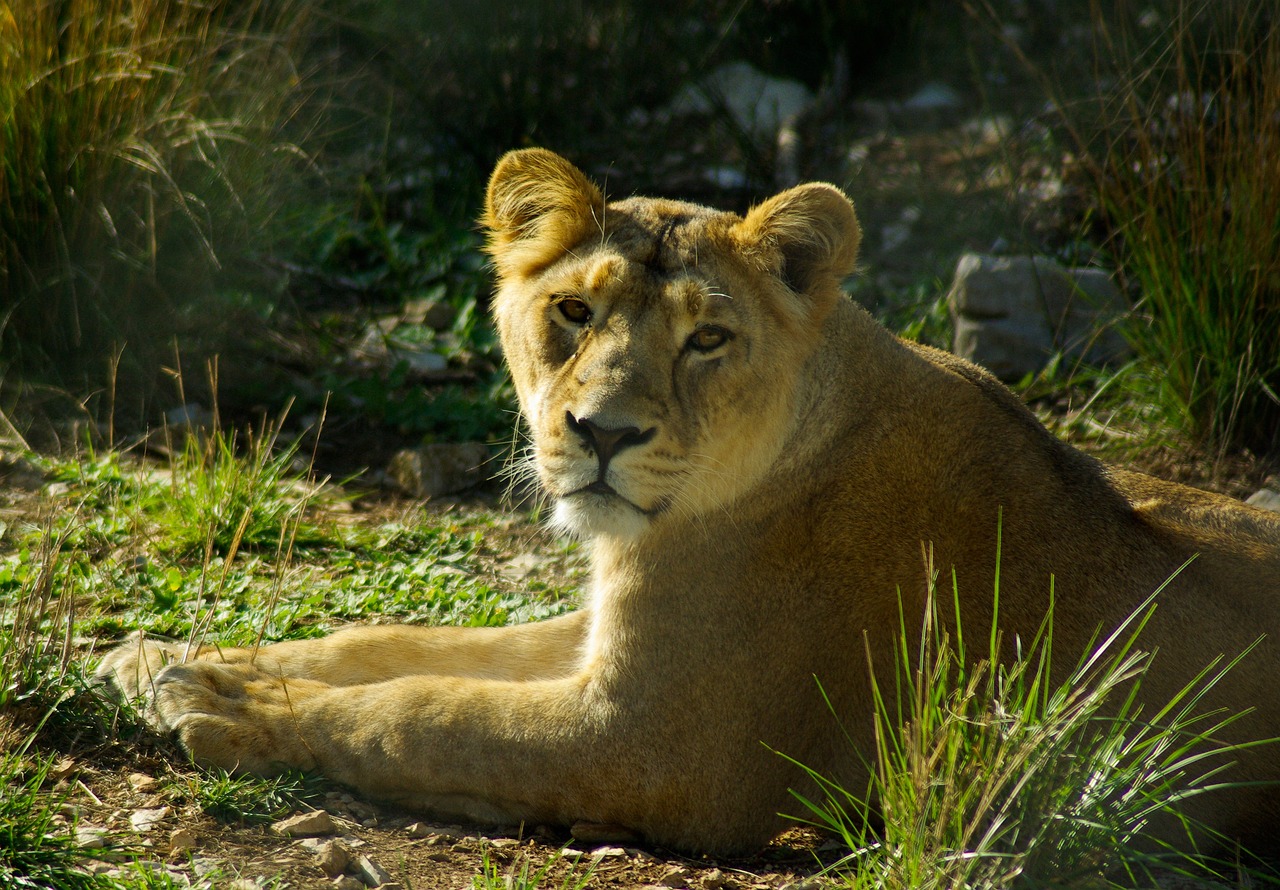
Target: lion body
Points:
(760, 466)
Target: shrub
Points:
(138, 143)
(1184, 153)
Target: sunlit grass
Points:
(991, 773)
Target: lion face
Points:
(656, 345)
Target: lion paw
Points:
(231, 715)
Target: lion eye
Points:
(574, 310)
(708, 338)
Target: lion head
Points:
(656, 345)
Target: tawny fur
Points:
(765, 516)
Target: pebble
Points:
(332, 857)
(677, 877)
(147, 819)
(346, 882)
(373, 874)
(714, 880)
(90, 837)
(181, 840)
(141, 781)
(314, 824)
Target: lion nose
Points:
(606, 441)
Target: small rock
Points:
(182, 840)
(373, 874)
(439, 468)
(933, 98)
(63, 768)
(192, 417)
(759, 104)
(141, 781)
(147, 819)
(677, 877)
(714, 880)
(347, 882)
(421, 829)
(333, 857)
(608, 853)
(314, 824)
(90, 837)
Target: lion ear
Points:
(808, 236)
(538, 206)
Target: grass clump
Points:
(246, 800)
(1184, 154)
(35, 852)
(1001, 774)
(137, 137)
(521, 874)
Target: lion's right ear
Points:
(538, 206)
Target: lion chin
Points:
(588, 514)
(760, 466)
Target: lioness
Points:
(757, 463)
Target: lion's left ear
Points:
(808, 236)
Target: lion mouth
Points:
(603, 489)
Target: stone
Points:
(141, 781)
(759, 104)
(332, 857)
(439, 468)
(933, 98)
(714, 880)
(147, 819)
(182, 840)
(314, 824)
(1267, 497)
(1012, 314)
(347, 882)
(373, 874)
(91, 837)
(676, 877)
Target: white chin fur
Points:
(589, 516)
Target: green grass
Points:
(34, 852)
(110, 555)
(1180, 151)
(523, 874)
(246, 800)
(997, 774)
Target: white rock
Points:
(932, 98)
(1267, 498)
(758, 103)
(147, 819)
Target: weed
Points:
(35, 852)
(247, 800)
(519, 875)
(222, 498)
(996, 774)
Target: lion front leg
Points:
(362, 655)
(540, 752)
